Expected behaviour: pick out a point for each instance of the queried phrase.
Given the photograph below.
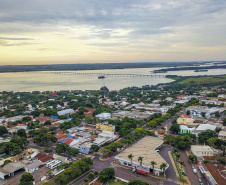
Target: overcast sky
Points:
(91, 31)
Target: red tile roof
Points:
(217, 175)
(44, 157)
(68, 141)
(185, 116)
(94, 136)
(42, 119)
(21, 125)
(60, 136)
(54, 94)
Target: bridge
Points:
(109, 74)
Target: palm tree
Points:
(182, 164)
(163, 167)
(153, 163)
(130, 156)
(140, 159)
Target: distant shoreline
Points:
(101, 66)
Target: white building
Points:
(146, 147)
(103, 116)
(201, 150)
(222, 135)
(66, 111)
(198, 110)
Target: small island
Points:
(101, 77)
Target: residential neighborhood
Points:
(155, 135)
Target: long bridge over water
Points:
(109, 74)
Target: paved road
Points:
(170, 173)
(188, 169)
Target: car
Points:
(157, 151)
(194, 170)
(93, 157)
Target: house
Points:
(222, 135)
(85, 147)
(185, 129)
(186, 121)
(105, 126)
(44, 157)
(103, 116)
(201, 150)
(30, 168)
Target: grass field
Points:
(204, 80)
(112, 182)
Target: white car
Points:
(157, 151)
(194, 170)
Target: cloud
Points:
(8, 38)
(157, 25)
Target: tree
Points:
(49, 173)
(217, 114)
(130, 156)
(94, 148)
(21, 133)
(182, 164)
(138, 182)
(204, 136)
(153, 163)
(48, 122)
(26, 178)
(105, 152)
(3, 130)
(188, 112)
(163, 168)
(48, 183)
(175, 128)
(6, 162)
(61, 179)
(91, 176)
(224, 122)
(106, 174)
(193, 158)
(140, 159)
(177, 155)
(203, 114)
(86, 180)
(211, 141)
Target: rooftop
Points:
(145, 148)
(205, 127)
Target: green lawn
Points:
(6, 156)
(112, 182)
(204, 80)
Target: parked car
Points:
(194, 170)
(157, 151)
(200, 180)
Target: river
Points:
(48, 80)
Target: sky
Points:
(104, 31)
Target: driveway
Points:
(170, 173)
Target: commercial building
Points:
(201, 150)
(103, 116)
(66, 111)
(146, 148)
(204, 127)
(9, 169)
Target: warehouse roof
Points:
(144, 148)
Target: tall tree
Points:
(140, 159)
(3, 130)
(130, 156)
(153, 163)
(163, 167)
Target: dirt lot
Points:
(37, 176)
